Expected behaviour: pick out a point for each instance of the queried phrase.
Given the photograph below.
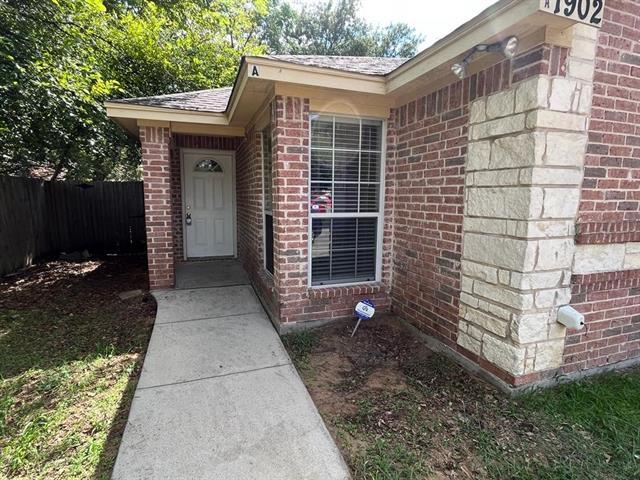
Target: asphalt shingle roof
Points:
(365, 65)
(215, 100)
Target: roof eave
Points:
(499, 18)
(145, 112)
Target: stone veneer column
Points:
(523, 178)
(156, 177)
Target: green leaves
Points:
(61, 59)
(334, 28)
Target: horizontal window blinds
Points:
(346, 155)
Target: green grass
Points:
(387, 459)
(608, 409)
(588, 429)
(299, 345)
(65, 382)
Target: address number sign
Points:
(585, 11)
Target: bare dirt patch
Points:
(401, 411)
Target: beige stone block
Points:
(529, 365)
(475, 332)
(599, 258)
(586, 31)
(477, 270)
(484, 225)
(566, 149)
(632, 247)
(536, 280)
(555, 254)
(477, 111)
(501, 104)
(462, 325)
(470, 343)
(503, 354)
(503, 295)
(496, 178)
(469, 179)
(561, 202)
(550, 176)
(549, 355)
(556, 120)
(509, 253)
(557, 331)
(545, 229)
(504, 277)
(552, 298)
(632, 256)
(584, 48)
(521, 203)
(468, 299)
(494, 309)
(466, 285)
(530, 328)
(478, 156)
(563, 91)
(525, 150)
(532, 94)
(580, 69)
(487, 322)
(498, 127)
(582, 102)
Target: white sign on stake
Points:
(364, 311)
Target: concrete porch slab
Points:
(198, 349)
(181, 305)
(256, 425)
(214, 273)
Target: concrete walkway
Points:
(219, 399)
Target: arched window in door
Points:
(208, 166)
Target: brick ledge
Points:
(345, 291)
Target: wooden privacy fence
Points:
(39, 218)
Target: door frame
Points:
(234, 202)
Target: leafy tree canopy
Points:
(61, 59)
(328, 28)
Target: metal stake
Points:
(356, 327)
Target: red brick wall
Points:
(611, 190)
(429, 156)
(179, 141)
(298, 302)
(156, 177)
(609, 211)
(611, 304)
(249, 177)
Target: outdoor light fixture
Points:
(507, 47)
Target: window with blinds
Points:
(346, 157)
(267, 178)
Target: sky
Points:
(434, 19)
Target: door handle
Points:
(188, 219)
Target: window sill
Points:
(334, 291)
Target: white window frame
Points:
(380, 214)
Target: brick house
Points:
(474, 205)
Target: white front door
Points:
(209, 210)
